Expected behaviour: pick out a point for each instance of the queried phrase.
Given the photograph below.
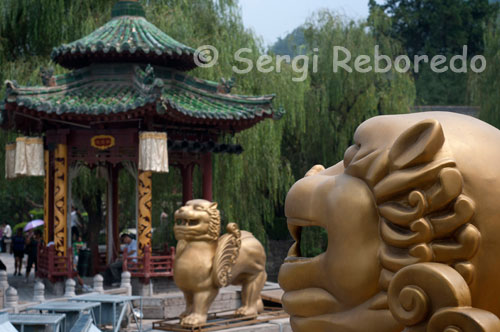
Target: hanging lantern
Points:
(10, 161)
(29, 157)
(153, 152)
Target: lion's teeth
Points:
(295, 232)
(294, 250)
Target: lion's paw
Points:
(193, 320)
(185, 314)
(246, 311)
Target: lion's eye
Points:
(193, 222)
(198, 207)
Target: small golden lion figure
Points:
(205, 262)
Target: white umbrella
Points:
(33, 224)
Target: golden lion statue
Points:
(205, 262)
(413, 221)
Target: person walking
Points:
(76, 225)
(6, 238)
(32, 250)
(18, 249)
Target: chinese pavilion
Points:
(128, 86)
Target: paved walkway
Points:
(25, 288)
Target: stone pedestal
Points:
(98, 283)
(170, 305)
(11, 298)
(39, 292)
(69, 290)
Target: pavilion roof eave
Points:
(29, 120)
(121, 92)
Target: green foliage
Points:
(484, 87)
(36, 214)
(19, 226)
(429, 27)
(336, 103)
(293, 44)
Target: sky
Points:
(272, 19)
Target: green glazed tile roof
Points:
(113, 89)
(127, 37)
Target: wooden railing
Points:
(150, 265)
(54, 267)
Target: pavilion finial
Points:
(127, 8)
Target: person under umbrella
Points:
(32, 250)
(33, 224)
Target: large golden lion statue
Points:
(205, 262)
(413, 221)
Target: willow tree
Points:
(484, 87)
(337, 102)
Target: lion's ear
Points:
(213, 205)
(417, 145)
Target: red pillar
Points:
(187, 182)
(114, 206)
(49, 227)
(207, 176)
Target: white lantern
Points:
(29, 156)
(153, 152)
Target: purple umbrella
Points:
(33, 224)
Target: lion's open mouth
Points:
(295, 227)
(187, 222)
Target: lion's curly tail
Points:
(228, 249)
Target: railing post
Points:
(4, 283)
(126, 282)
(39, 292)
(98, 281)
(11, 299)
(69, 289)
